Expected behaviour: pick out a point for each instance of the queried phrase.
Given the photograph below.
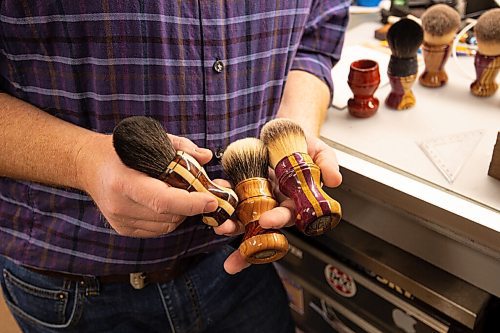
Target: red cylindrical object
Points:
(364, 79)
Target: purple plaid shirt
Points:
(212, 71)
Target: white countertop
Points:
(386, 146)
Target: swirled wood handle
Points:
(259, 246)
(299, 179)
(186, 173)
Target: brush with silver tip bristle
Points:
(143, 145)
(299, 177)
(487, 58)
(246, 164)
(440, 24)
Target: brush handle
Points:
(487, 68)
(259, 246)
(299, 179)
(186, 173)
(402, 73)
(435, 57)
(401, 96)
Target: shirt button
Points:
(219, 152)
(218, 66)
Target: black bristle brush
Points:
(404, 38)
(142, 144)
(246, 163)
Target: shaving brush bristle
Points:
(246, 163)
(244, 159)
(283, 137)
(487, 31)
(487, 27)
(440, 20)
(142, 144)
(404, 38)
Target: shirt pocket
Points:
(40, 299)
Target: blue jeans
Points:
(204, 299)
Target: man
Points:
(76, 224)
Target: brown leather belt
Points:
(138, 280)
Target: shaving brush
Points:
(440, 23)
(142, 144)
(404, 38)
(298, 177)
(487, 58)
(246, 163)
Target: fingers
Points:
(145, 229)
(230, 228)
(202, 155)
(326, 159)
(130, 212)
(235, 263)
(222, 182)
(161, 198)
(279, 217)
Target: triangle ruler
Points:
(449, 153)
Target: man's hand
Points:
(324, 156)
(284, 215)
(133, 203)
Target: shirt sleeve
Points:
(321, 44)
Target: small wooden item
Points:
(143, 145)
(494, 170)
(404, 38)
(259, 245)
(381, 33)
(487, 58)
(299, 177)
(364, 79)
(435, 58)
(246, 162)
(440, 23)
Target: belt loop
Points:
(91, 285)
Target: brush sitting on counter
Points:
(142, 144)
(440, 24)
(487, 58)
(404, 38)
(246, 163)
(299, 177)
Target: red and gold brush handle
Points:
(299, 179)
(259, 246)
(186, 173)
(487, 68)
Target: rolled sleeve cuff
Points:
(318, 65)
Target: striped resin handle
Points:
(186, 173)
(259, 246)
(402, 73)
(299, 179)
(487, 68)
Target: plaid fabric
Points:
(93, 63)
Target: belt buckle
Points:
(137, 280)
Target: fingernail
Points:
(210, 207)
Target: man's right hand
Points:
(133, 203)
